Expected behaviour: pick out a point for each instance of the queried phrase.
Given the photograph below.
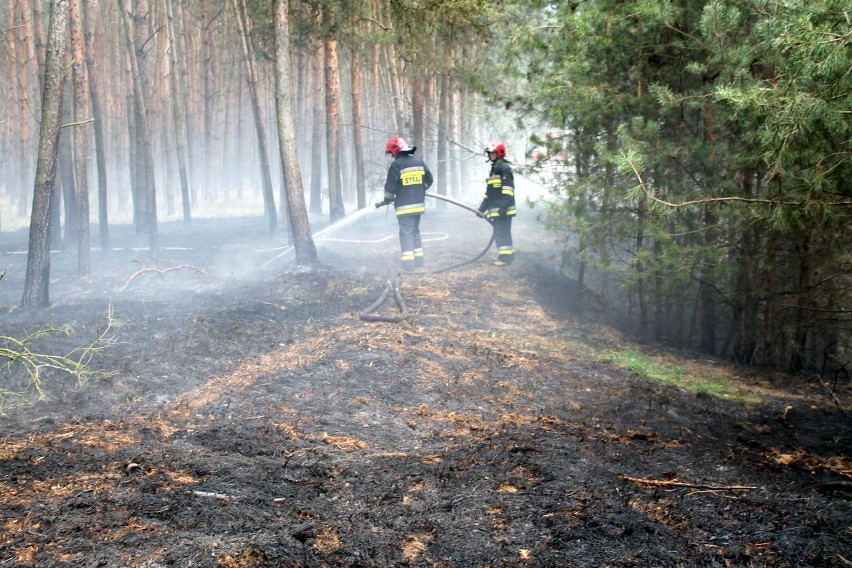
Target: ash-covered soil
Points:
(246, 416)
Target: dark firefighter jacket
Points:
(499, 197)
(408, 179)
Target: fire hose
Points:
(393, 286)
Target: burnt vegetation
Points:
(248, 417)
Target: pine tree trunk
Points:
(27, 58)
(177, 116)
(639, 266)
(97, 114)
(206, 69)
(357, 141)
(81, 138)
(317, 121)
(260, 129)
(443, 129)
(306, 253)
(707, 292)
(417, 131)
(332, 127)
(147, 188)
(37, 282)
(65, 172)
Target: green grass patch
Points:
(695, 379)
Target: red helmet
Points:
(496, 147)
(396, 145)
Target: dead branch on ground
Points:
(160, 271)
(661, 483)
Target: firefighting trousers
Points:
(503, 238)
(409, 241)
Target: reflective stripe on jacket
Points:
(499, 190)
(408, 179)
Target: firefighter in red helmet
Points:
(408, 179)
(498, 204)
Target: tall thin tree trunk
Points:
(98, 115)
(65, 174)
(455, 136)
(443, 127)
(148, 191)
(37, 281)
(417, 104)
(27, 67)
(317, 123)
(332, 128)
(639, 265)
(82, 120)
(707, 292)
(207, 93)
(260, 129)
(357, 140)
(306, 252)
(177, 116)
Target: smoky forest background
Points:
(697, 156)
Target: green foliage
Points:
(709, 384)
(23, 368)
(702, 152)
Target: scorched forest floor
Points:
(245, 416)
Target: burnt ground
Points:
(244, 415)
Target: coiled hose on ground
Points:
(393, 286)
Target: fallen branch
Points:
(159, 271)
(658, 483)
(834, 397)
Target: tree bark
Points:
(64, 236)
(98, 115)
(148, 189)
(37, 282)
(177, 116)
(306, 253)
(358, 143)
(317, 122)
(332, 128)
(417, 104)
(248, 57)
(443, 128)
(82, 122)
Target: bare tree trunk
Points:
(97, 114)
(193, 105)
(443, 127)
(148, 191)
(417, 88)
(207, 95)
(332, 128)
(248, 56)
(82, 116)
(357, 140)
(65, 173)
(455, 136)
(177, 115)
(27, 59)
(798, 358)
(306, 252)
(639, 266)
(317, 129)
(37, 282)
(707, 292)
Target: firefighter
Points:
(408, 179)
(498, 205)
